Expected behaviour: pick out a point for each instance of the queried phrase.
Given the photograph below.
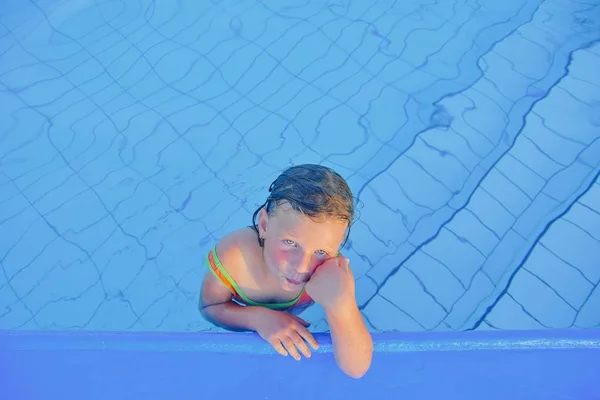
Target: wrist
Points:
(341, 309)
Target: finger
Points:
(300, 320)
(290, 347)
(344, 263)
(310, 339)
(339, 261)
(347, 264)
(276, 343)
(300, 344)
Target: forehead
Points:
(318, 233)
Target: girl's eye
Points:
(289, 242)
(322, 252)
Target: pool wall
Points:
(546, 364)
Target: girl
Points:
(287, 260)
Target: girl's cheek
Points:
(281, 257)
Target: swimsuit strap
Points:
(304, 299)
(217, 269)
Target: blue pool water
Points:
(134, 134)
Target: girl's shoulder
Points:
(236, 251)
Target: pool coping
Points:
(230, 342)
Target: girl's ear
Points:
(263, 221)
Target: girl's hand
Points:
(332, 284)
(285, 332)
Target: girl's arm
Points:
(352, 342)
(332, 286)
(216, 306)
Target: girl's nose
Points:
(304, 265)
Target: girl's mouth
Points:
(294, 282)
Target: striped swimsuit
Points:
(295, 306)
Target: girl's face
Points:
(295, 245)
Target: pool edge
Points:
(229, 342)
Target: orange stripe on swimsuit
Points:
(218, 271)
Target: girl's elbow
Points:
(359, 368)
(357, 371)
